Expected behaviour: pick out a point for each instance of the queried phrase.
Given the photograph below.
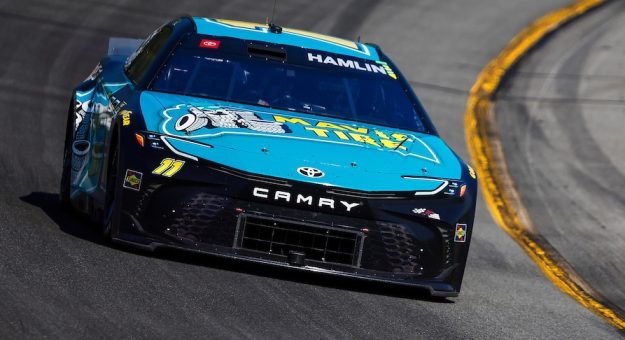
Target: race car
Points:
(271, 145)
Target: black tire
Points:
(64, 191)
(112, 181)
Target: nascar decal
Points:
(189, 119)
(423, 212)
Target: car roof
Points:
(293, 37)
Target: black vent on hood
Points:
(267, 52)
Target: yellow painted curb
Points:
(487, 157)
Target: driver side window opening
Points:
(146, 54)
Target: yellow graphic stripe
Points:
(240, 24)
(497, 185)
(335, 40)
(323, 37)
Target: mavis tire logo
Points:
(310, 172)
(193, 120)
(334, 132)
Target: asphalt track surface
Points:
(561, 116)
(57, 280)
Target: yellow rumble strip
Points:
(497, 185)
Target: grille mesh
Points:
(197, 216)
(402, 251)
(319, 243)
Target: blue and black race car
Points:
(271, 145)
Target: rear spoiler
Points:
(123, 46)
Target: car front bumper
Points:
(386, 242)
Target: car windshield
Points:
(355, 94)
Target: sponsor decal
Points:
(168, 167)
(461, 233)
(300, 199)
(379, 67)
(209, 43)
(189, 119)
(471, 172)
(193, 121)
(125, 117)
(156, 145)
(455, 189)
(345, 132)
(426, 213)
(133, 180)
(310, 172)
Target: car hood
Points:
(277, 143)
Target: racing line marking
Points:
(497, 185)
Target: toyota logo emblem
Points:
(310, 172)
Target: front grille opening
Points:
(319, 243)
